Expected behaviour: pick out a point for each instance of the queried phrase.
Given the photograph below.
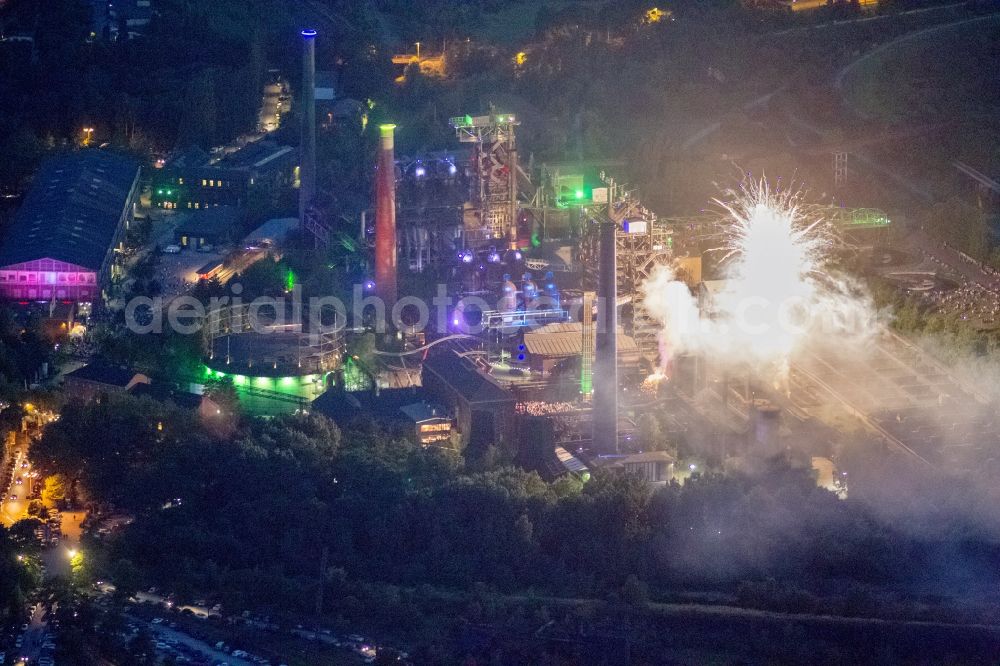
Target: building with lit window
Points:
(432, 424)
(192, 180)
(65, 241)
(207, 227)
(483, 409)
(656, 468)
(406, 412)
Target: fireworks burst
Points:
(775, 254)
(778, 294)
(651, 384)
(771, 235)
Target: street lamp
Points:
(418, 51)
(72, 553)
(88, 134)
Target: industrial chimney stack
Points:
(385, 217)
(307, 160)
(605, 408)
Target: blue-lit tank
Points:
(508, 301)
(529, 290)
(551, 292)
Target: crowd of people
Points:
(973, 301)
(969, 302)
(539, 408)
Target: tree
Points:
(37, 509)
(198, 125)
(127, 579)
(22, 533)
(54, 490)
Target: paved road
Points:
(15, 497)
(845, 71)
(863, 19)
(146, 597)
(34, 636)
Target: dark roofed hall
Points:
(73, 210)
(112, 375)
(484, 410)
(90, 381)
(463, 377)
(61, 243)
(192, 156)
(213, 226)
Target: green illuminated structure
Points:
(570, 190)
(860, 218)
(272, 395)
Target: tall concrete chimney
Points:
(385, 217)
(307, 159)
(605, 408)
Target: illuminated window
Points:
(211, 183)
(435, 427)
(180, 181)
(197, 205)
(204, 183)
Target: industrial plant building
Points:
(65, 239)
(550, 345)
(484, 410)
(193, 180)
(405, 410)
(208, 227)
